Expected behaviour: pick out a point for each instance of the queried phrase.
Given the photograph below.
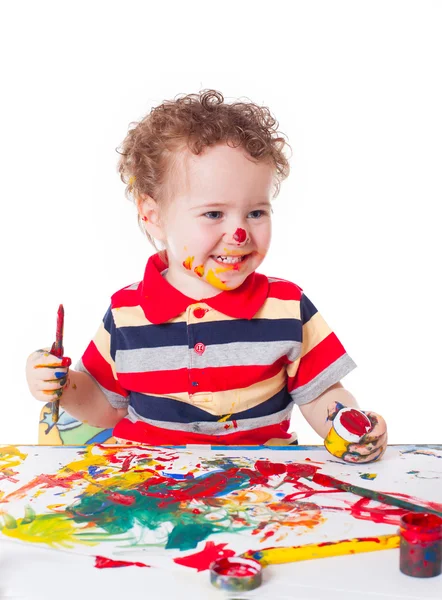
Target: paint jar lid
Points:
(236, 574)
(420, 527)
(351, 424)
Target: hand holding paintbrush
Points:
(47, 377)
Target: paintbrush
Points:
(277, 556)
(57, 350)
(331, 482)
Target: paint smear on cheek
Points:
(187, 264)
(199, 270)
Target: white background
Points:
(356, 87)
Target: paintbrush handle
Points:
(57, 350)
(277, 556)
(328, 481)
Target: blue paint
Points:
(430, 554)
(60, 374)
(93, 470)
(177, 475)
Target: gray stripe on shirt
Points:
(115, 400)
(217, 427)
(332, 374)
(238, 354)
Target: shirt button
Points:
(200, 312)
(199, 348)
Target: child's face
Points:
(217, 227)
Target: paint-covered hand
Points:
(356, 436)
(47, 375)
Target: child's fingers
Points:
(48, 360)
(51, 374)
(366, 449)
(50, 386)
(379, 427)
(356, 458)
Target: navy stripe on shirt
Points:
(174, 411)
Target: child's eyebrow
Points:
(224, 204)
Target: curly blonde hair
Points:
(195, 121)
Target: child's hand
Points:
(372, 445)
(46, 375)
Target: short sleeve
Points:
(98, 361)
(322, 361)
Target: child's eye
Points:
(255, 214)
(213, 214)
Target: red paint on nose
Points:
(240, 235)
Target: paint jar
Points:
(236, 574)
(348, 427)
(421, 545)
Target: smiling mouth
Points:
(230, 260)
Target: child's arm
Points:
(83, 399)
(320, 413)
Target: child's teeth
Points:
(230, 259)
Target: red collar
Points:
(161, 302)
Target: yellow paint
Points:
(226, 418)
(335, 444)
(277, 556)
(216, 281)
(126, 480)
(199, 270)
(53, 529)
(188, 262)
(10, 456)
(55, 506)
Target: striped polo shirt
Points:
(223, 370)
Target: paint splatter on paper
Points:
(180, 508)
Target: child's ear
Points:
(149, 212)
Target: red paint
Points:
(231, 568)
(121, 499)
(200, 312)
(268, 468)
(101, 562)
(421, 527)
(201, 561)
(420, 553)
(297, 470)
(66, 361)
(267, 535)
(355, 422)
(240, 235)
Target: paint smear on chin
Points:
(187, 264)
(216, 282)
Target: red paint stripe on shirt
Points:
(101, 370)
(157, 436)
(318, 359)
(212, 378)
(284, 290)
